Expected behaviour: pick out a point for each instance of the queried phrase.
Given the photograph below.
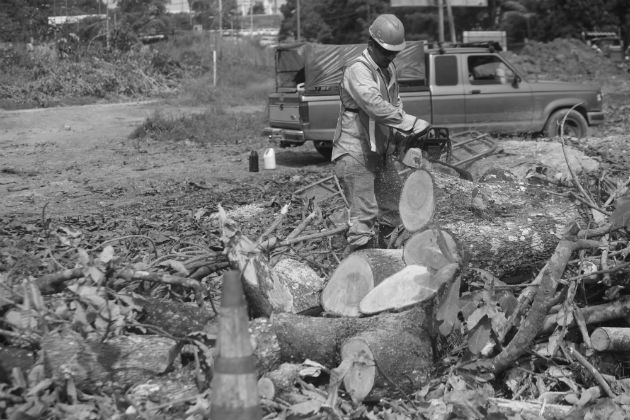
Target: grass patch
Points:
(213, 127)
(244, 70)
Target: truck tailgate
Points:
(284, 110)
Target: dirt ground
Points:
(76, 161)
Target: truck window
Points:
(488, 69)
(445, 70)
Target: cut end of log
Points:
(266, 388)
(409, 286)
(355, 276)
(432, 248)
(349, 283)
(417, 203)
(359, 380)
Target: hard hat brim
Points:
(391, 47)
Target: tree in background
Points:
(22, 19)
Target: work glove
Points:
(420, 128)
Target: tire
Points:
(324, 148)
(574, 126)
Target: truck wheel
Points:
(574, 126)
(324, 148)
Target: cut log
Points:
(410, 286)
(417, 204)
(305, 284)
(611, 339)
(302, 337)
(386, 361)
(174, 318)
(266, 290)
(517, 235)
(278, 381)
(127, 360)
(433, 248)
(355, 276)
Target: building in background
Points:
(269, 7)
(177, 6)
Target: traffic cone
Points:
(234, 384)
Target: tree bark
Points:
(279, 381)
(385, 362)
(355, 276)
(593, 314)
(174, 318)
(269, 290)
(515, 234)
(301, 337)
(126, 360)
(611, 339)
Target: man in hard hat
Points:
(371, 112)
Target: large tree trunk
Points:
(504, 227)
(302, 337)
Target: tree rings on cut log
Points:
(433, 248)
(355, 276)
(386, 361)
(611, 339)
(412, 285)
(417, 204)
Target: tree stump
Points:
(355, 276)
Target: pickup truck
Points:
(460, 87)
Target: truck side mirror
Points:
(516, 81)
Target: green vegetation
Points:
(180, 69)
(214, 126)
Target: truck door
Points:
(447, 91)
(496, 98)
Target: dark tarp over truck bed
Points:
(318, 67)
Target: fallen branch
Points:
(131, 274)
(571, 351)
(593, 314)
(300, 228)
(533, 323)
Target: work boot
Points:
(385, 236)
(350, 248)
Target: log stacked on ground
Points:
(517, 233)
(384, 360)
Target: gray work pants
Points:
(372, 187)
